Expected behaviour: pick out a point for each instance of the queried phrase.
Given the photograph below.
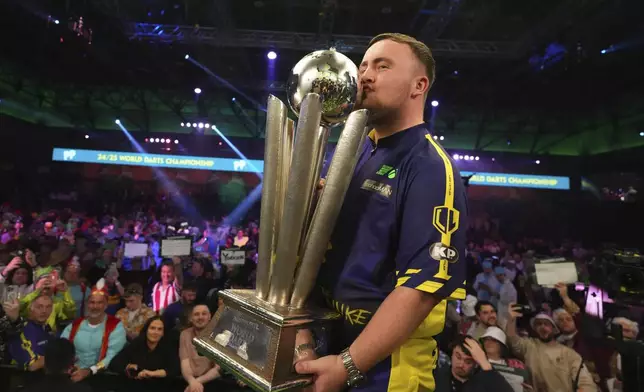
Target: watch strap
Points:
(354, 375)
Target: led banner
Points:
(157, 160)
(518, 180)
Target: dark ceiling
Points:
(498, 77)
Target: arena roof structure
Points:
(559, 77)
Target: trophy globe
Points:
(330, 74)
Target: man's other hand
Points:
(329, 374)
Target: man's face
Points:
(167, 274)
(500, 278)
(133, 302)
(566, 323)
(487, 316)
(41, 309)
(387, 77)
(188, 296)
(200, 317)
(196, 270)
(544, 330)
(462, 364)
(628, 332)
(96, 305)
(20, 277)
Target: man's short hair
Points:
(39, 296)
(422, 52)
(60, 356)
(190, 285)
(459, 341)
(480, 304)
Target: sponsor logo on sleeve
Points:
(446, 219)
(440, 251)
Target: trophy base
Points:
(255, 340)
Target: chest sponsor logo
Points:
(375, 186)
(446, 219)
(440, 251)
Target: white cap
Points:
(543, 316)
(495, 333)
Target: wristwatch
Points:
(355, 377)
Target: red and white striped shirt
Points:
(162, 297)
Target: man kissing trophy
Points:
(253, 335)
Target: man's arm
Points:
(115, 344)
(186, 371)
(209, 375)
(400, 315)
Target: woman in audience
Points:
(22, 278)
(151, 357)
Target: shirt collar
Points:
(409, 135)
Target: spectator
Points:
(507, 294)
(469, 314)
(135, 313)
(197, 276)
(149, 357)
(554, 366)
(470, 370)
(20, 274)
(485, 316)
(27, 348)
(486, 284)
(496, 347)
(630, 330)
(97, 338)
(175, 316)
(58, 369)
(114, 290)
(64, 306)
(10, 324)
(166, 292)
(77, 288)
(198, 371)
(241, 239)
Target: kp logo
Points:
(239, 165)
(439, 251)
(446, 219)
(69, 155)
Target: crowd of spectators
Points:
(66, 277)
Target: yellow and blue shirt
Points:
(402, 223)
(26, 347)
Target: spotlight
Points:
(460, 157)
(476, 158)
(56, 21)
(441, 137)
(194, 125)
(603, 51)
(207, 125)
(146, 139)
(117, 121)
(183, 125)
(271, 55)
(186, 56)
(168, 141)
(537, 162)
(220, 143)
(467, 157)
(434, 103)
(176, 141)
(435, 137)
(642, 134)
(86, 136)
(151, 140)
(234, 99)
(455, 156)
(156, 140)
(200, 125)
(493, 159)
(455, 72)
(188, 125)
(508, 142)
(162, 140)
(197, 90)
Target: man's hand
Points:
(562, 288)
(144, 374)
(80, 374)
(61, 286)
(12, 309)
(194, 386)
(512, 313)
(15, 263)
(478, 354)
(329, 374)
(37, 365)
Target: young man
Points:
(198, 371)
(485, 317)
(135, 313)
(394, 255)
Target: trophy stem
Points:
(298, 194)
(337, 183)
(272, 196)
(320, 152)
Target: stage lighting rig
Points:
(80, 27)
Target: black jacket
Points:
(481, 381)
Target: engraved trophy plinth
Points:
(253, 335)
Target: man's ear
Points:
(421, 87)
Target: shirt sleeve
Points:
(431, 248)
(66, 332)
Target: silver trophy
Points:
(253, 334)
